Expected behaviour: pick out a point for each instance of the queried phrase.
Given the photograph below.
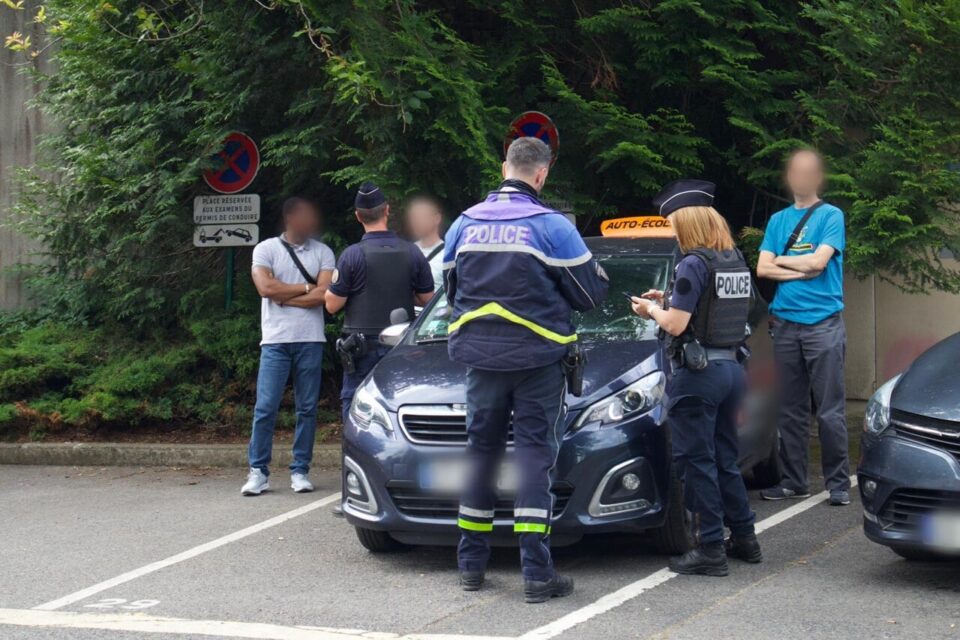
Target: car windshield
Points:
(613, 320)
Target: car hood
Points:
(930, 386)
(424, 373)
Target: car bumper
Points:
(386, 470)
(901, 482)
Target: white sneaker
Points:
(300, 483)
(256, 483)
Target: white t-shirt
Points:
(283, 324)
(436, 263)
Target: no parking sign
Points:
(537, 125)
(238, 163)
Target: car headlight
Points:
(367, 412)
(634, 399)
(877, 416)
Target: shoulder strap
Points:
(796, 231)
(433, 254)
(293, 254)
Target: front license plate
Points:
(449, 476)
(941, 530)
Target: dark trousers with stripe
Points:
(535, 398)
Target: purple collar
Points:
(507, 205)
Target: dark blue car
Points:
(909, 473)
(406, 432)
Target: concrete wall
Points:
(19, 128)
(887, 329)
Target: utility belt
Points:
(692, 355)
(351, 347)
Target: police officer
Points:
(705, 323)
(514, 270)
(373, 277)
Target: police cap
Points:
(369, 196)
(684, 193)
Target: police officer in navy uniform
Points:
(374, 277)
(514, 270)
(705, 322)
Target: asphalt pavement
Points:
(144, 553)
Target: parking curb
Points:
(122, 454)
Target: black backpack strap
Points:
(293, 254)
(433, 254)
(799, 228)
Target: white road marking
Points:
(617, 598)
(143, 623)
(83, 594)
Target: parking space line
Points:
(185, 555)
(142, 623)
(655, 579)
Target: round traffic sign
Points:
(535, 124)
(237, 164)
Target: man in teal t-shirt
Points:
(809, 335)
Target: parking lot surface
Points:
(142, 553)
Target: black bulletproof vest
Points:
(388, 288)
(720, 318)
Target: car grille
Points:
(941, 434)
(416, 502)
(438, 424)
(904, 508)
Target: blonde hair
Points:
(701, 227)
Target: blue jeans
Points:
(305, 359)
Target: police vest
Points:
(388, 287)
(720, 318)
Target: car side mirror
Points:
(391, 336)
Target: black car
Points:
(406, 430)
(909, 473)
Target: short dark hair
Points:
(293, 202)
(372, 216)
(529, 154)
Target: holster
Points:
(573, 364)
(349, 348)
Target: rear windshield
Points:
(613, 320)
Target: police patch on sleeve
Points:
(601, 273)
(336, 276)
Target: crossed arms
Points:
(291, 295)
(802, 267)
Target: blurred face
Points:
(423, 219)
(303, 220)
(805, 174)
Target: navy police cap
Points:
(684, 193)
(369, 196)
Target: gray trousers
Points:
(809, 362)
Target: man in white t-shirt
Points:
(291, 273)
(424, 221)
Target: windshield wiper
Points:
(432, 339)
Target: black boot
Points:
(746, 548)
(471, 580)
(558, 586)
(706, 560)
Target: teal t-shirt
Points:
(808, 301)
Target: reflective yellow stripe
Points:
(495, 309)
(474, 526)
(530, 527)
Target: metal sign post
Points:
(228, 283)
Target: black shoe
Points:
(471, 580)
(558, 586)
(746, 548)
(337, 510)
(780, 492)
(701, 562)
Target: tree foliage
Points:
(417, 95)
